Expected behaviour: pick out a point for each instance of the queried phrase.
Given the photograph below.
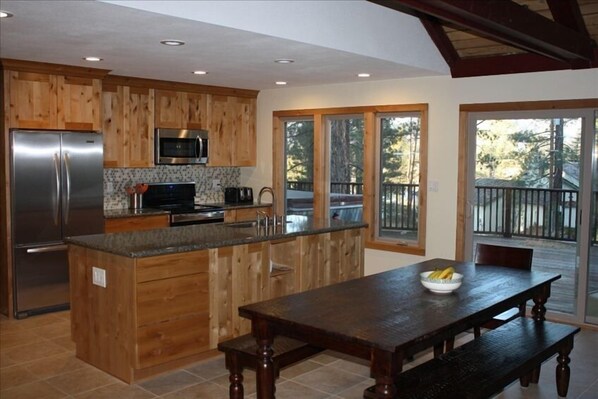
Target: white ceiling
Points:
(235, 41)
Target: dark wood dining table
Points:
(388, 317)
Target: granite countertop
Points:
(140, 244)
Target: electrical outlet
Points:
(109, 187)
(98, 276)
(215, 184)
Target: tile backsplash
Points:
(115, 181)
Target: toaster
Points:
(238, 195)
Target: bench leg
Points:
(536, 374)
(524, 380)
(235, 378)
(563, 372)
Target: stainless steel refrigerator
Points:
(56, 192)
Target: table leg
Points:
(540, 298)
(265, 367)
(385, 368)
(563, 373)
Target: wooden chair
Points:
(496, 255)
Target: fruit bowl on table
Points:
(441, 285)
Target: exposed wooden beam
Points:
(506, 22)
(442, 41)
(506, 64)
(567, 13)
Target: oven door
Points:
(181, 146)
(184, 219)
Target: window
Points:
(398, 174)
(299, 166)
(357, 163)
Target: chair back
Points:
(496, 255)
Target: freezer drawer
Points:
(41, 279)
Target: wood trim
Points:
(178, 86)
(530, 105)
(321, 168)
(348, 110)
(57, 69)
(463, 156)
(423, 178)
(369, 173)
(392, 247)
(6, 294)
(278, 164)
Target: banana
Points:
(435, 273)
(447, 273)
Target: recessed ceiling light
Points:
(200, 73)
(363, 75)
(92, 59)
(172, 42)
(5, 14)
(284, 61)
(281, 83)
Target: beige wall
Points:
(444, 95)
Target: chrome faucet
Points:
(267, 190)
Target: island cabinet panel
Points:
(134, 223)
(172, 265)
(163, 312)
(172, 307)
(164, 342)
(103, 318)
(158, 301)
(128, 126)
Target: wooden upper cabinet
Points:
(128, 126)
(32, 100)
(181, 110)
(78, 103)
(170, 109)
(47, 101)
(232, 131)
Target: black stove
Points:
(178, 199)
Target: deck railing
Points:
(507, 211)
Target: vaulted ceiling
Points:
(490, 37)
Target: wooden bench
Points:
(241, 352)
(484, 366)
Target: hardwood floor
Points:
(37, 361)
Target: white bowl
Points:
(441, 286)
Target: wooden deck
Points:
(555, 257)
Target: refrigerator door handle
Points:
(67, 167)
(57, 176)
(53, 248)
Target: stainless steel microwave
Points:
(181, 146)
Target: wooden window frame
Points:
(370, 160)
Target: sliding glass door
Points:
(529, 185)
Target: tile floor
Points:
(37, 361)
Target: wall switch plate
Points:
(215, 184)
(98, 276)
(433, 186)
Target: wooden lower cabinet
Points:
(245, 214)
(134, 223)
(160, 313)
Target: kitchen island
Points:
(146, 302)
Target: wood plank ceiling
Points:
(492, 37)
